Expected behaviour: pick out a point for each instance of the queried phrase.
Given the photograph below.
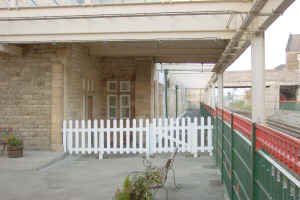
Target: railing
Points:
(291, 105)
(281, 146)
(256, 162)
(56, 3)
(126, 136)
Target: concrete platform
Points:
(32, 160)
(85, 178)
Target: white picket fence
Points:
(126, 136)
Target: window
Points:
(124, 86)
(112, 106)
(112, 86)
(124, 106)
(118, 99)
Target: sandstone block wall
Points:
(80, 68)
(272, 96)
(292, 61)
(25, 94)
(48, 84)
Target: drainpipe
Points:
(176, 92)
(166, 93)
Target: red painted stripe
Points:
(281, 146)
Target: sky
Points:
(276, 38)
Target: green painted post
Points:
(222, 135)
(217, 132)
(176, 90)
(231, 170)
(253, 145)
(166, 92)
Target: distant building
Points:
(293, 52)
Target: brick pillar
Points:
(57, 106)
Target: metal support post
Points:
(176, 93)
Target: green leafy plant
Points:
(138, 186)
(14, 141)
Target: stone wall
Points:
(43, 87)
(292, 61)
(82, 79)
(272, 96)
(49, 83)
(25, 91)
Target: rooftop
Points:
(293, 44)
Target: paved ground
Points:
(192, 113)
(32, 160)
(85, 178)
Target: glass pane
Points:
(112, 85)
(124, 100)
(125, 113)
(112, 112)
(125, 86)
(112, 100)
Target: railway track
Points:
(285, 128)
(277, 125)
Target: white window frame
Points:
(129, 86)
(108, 84)
(110, 106)
(125, 106)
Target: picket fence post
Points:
(194, 133)
(65, 135)
(209, 136)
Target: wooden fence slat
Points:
(189, 135)
(185, 129)
(77, 150)
(127, 136)
(195, 137)
(108, 135)
(89, 137)
(163, 135)
(154, 137)
(70, 137)
(101, 138)
(202, 135)
(134, 135)
(160, 132)
(95, 145)
(83, 135)
(121, 137)
(115, 139)
(172, 134)
(177, 130)
(65, 135)
(209, 137)
(148, 138)
(141, 135)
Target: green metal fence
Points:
(247, 173)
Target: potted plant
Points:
(14, 146)
(139, 186)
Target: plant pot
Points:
(14, 152)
